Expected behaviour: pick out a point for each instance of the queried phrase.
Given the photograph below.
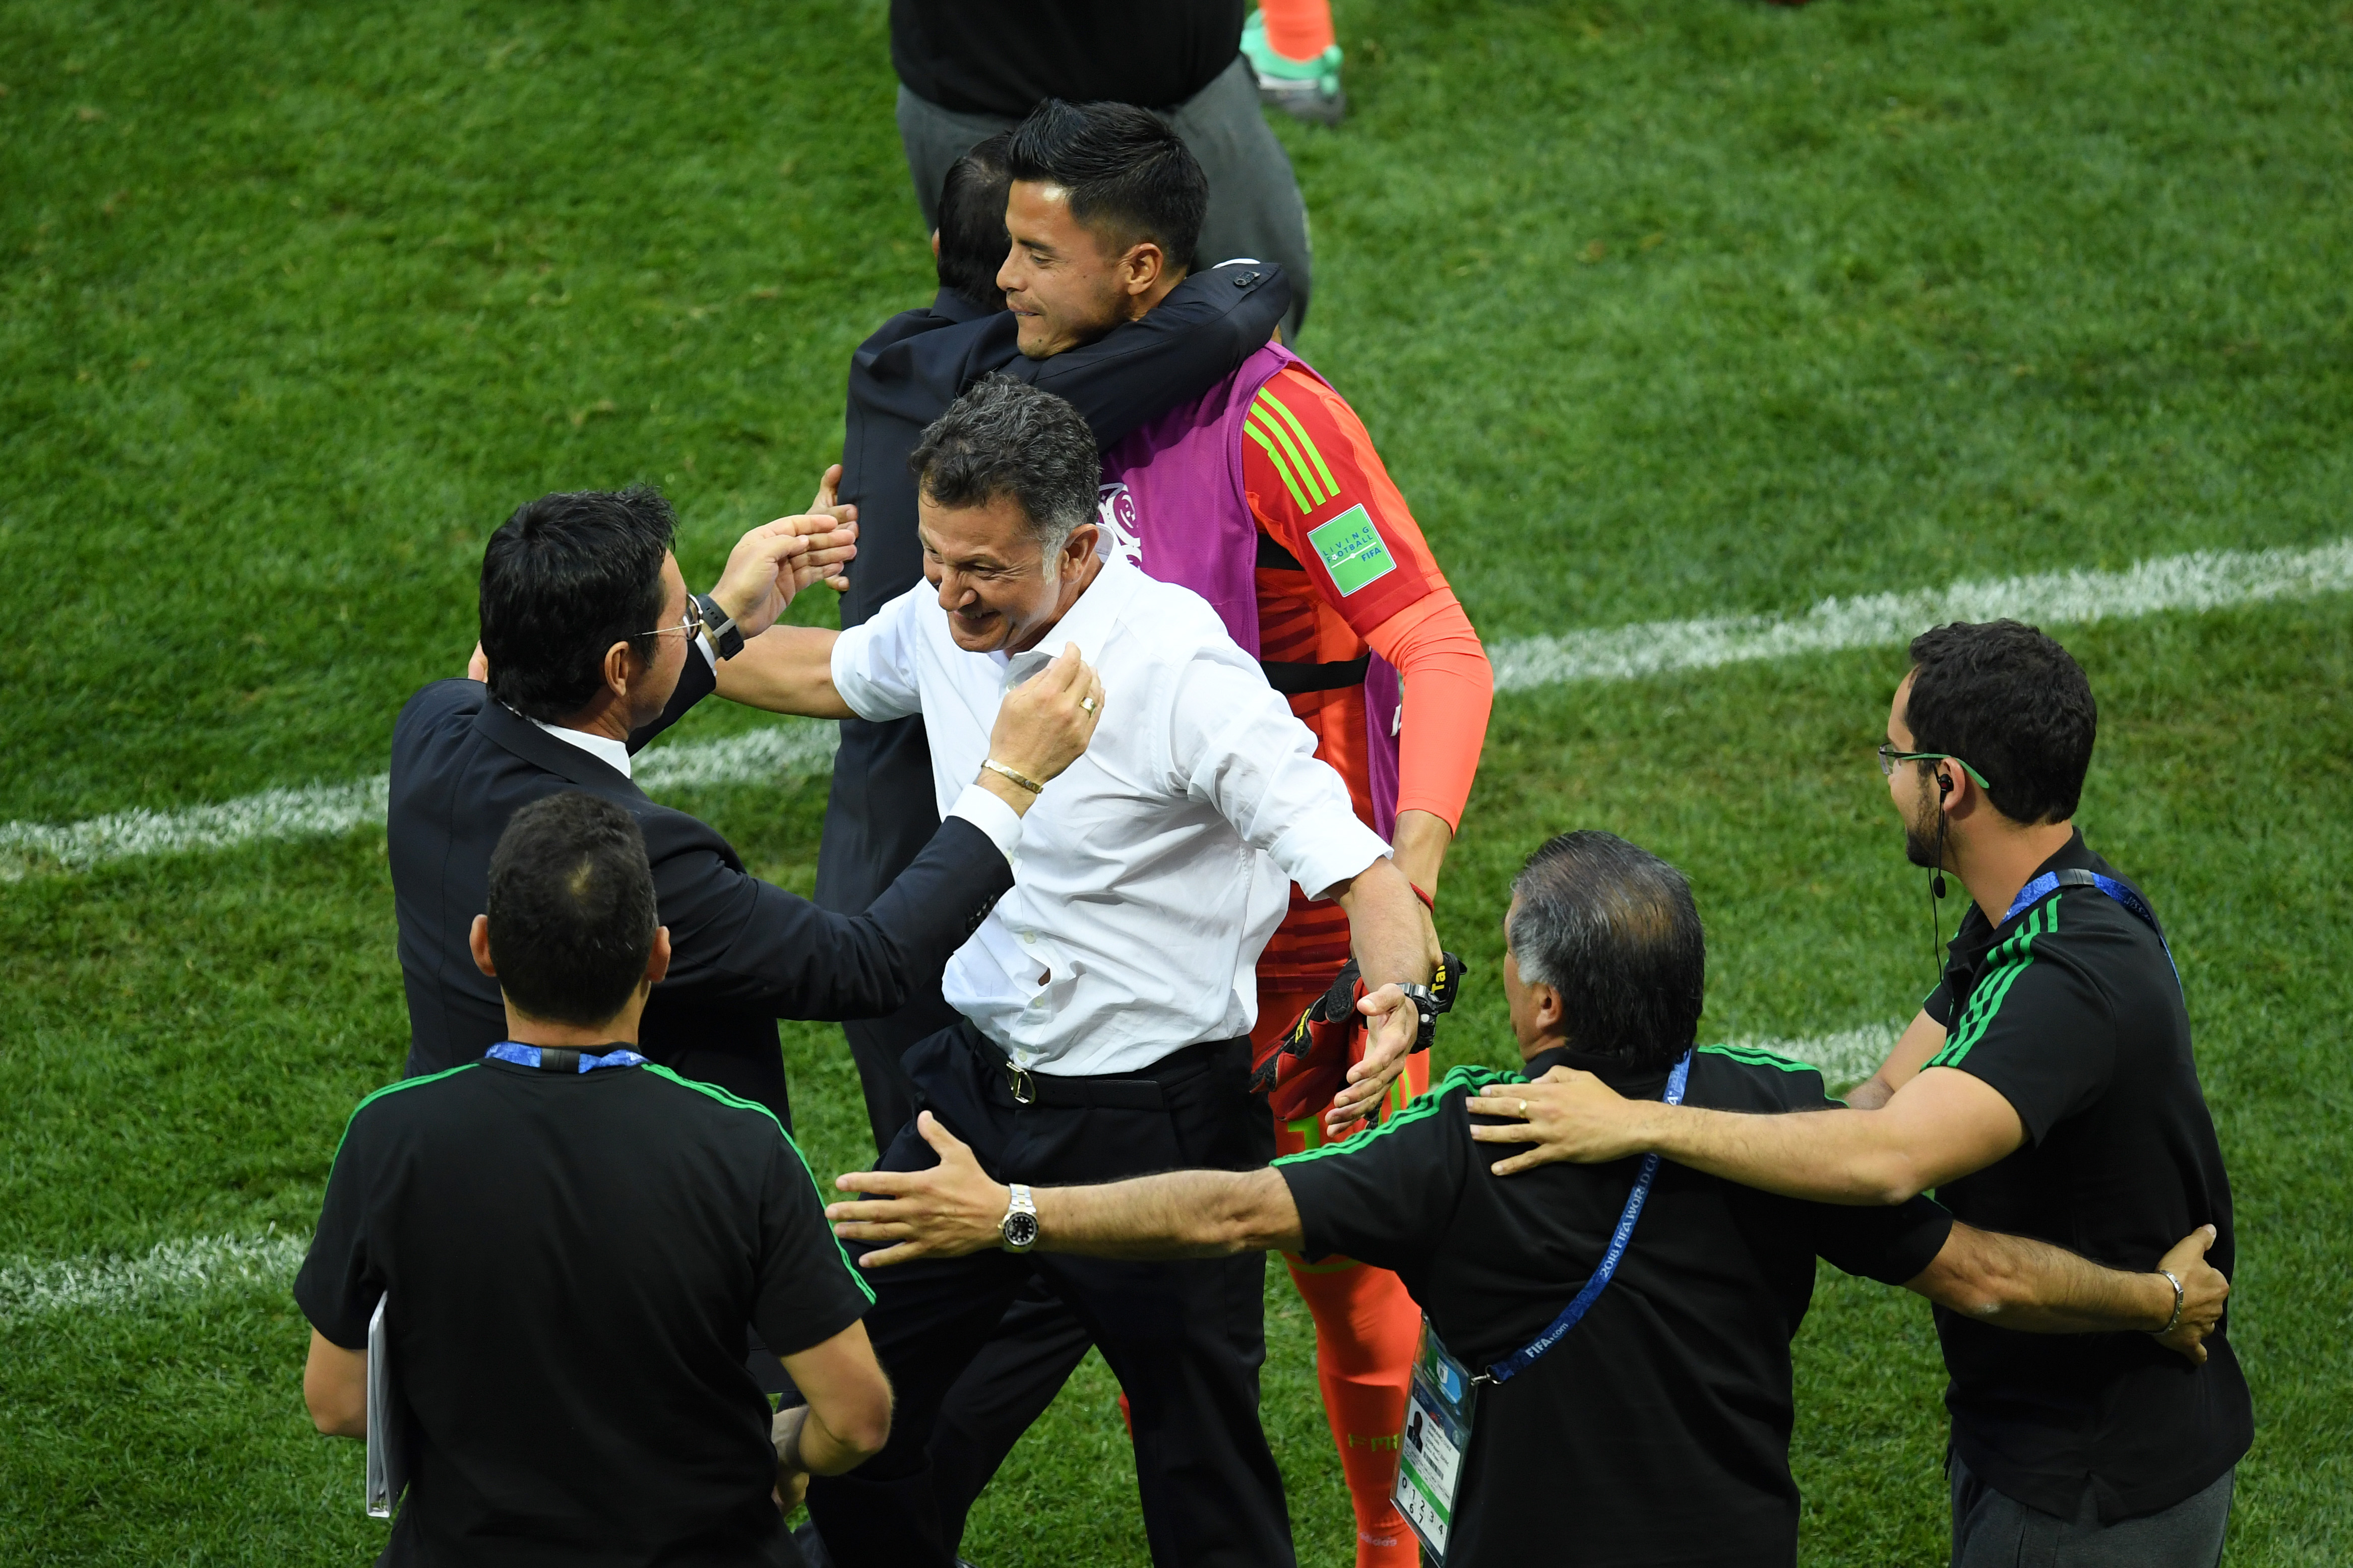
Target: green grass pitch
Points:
(1656, 310)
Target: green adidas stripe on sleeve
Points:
(724, 1098)
(1298, 497)
(1262, 412)
(1424, 1106)
(394, 1088)
(2008, 962)
(1330, 487)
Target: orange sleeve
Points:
(1449, 692)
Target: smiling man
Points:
(2046, 1089)
(1266, 496)
(1108, 998)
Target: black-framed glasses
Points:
(1889, 756)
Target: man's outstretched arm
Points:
(954, 1208)
(1942, 1124)
(2014, 1282)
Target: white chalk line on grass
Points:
(2205, 580)
(99, 1283)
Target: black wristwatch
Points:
(1426, 1004)
(726, 640)
(1019, 1228)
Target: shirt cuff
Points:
(992, 816)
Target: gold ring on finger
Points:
(1087, 704)
(1524, 1110)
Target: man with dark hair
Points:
(2047, 1089)
(516, 1217)
(592, 645)
(1107, 1000)
(1631, 1322)
(881, 814)
(969, 69)
(1266, 496)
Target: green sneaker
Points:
(1304, 90)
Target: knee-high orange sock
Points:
(1367, 1329)
(1298, 29)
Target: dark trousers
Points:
(1186, 1340)
(1255, 209)
(1993, 1531)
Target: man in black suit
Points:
(592, 645)
(881, 812)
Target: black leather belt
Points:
(1117, 1091)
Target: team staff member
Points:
(593, 646)
(1109, 996)
(2047, 1089)
(1266, 494)
(567, 1240)
(1657, 1431)
(880, 815)
(971, 69)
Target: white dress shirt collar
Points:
(614, 755)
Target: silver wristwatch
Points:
(1020, 1226)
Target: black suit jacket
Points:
(883, 808)
(743, 954)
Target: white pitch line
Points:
(2205, 580)
(100, 1283)
(104, 1284)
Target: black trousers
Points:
(1186, 1340)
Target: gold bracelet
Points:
(1023, 780)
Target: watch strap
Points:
(726, 638)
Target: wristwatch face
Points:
(1020, 1230)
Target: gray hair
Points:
(1006, 438)
(1612, 928)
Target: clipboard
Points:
(388, 1470)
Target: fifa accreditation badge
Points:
(1353, 550)
(1438, 1413)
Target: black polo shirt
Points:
(1005, 57)
(1657, 1433)
(571, 1259)
(2070, 1010)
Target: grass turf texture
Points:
(1717, 311)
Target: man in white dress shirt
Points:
(1108, 998)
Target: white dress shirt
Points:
(1150, 874)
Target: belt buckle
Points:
(1025, 1088)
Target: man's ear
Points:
(658, 961)
(1078, 547)
(935, 245)
(1144, 266)
(1550, 1016)
(621, 669)
(479, 941)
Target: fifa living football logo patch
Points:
(1352, 550)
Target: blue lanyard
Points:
(527, 1056)
(1519, 1360)
(2123, 892)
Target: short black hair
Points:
(973, 241)
(2011, 703)
(564, 579)
(572, 908)
(1613, 929)
(1005, 437)
(1130, 177)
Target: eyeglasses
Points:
(1889, 756)
(687, 627)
